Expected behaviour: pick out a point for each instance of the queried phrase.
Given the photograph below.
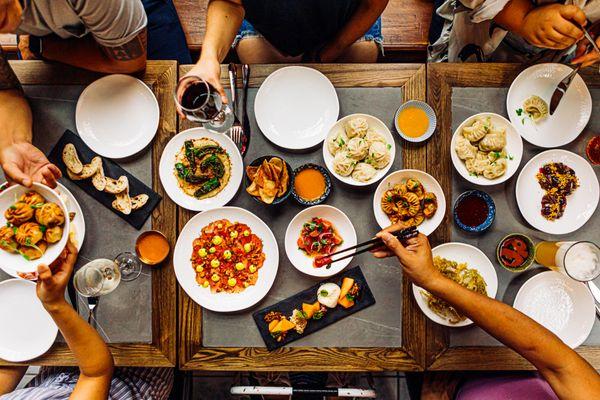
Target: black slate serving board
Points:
(138, 217)
(365, 299)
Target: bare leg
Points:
(360, 52)
(257, 50)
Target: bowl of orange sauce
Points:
(415, 121)
(312, 184)
(152, 247)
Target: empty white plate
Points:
(27, 331)
(341, 224)
(475, 259)
(569, 119)
(514, 150)
(117, 116)
(580, 205)
(169, 180)
(295, 107)
(560, 304)
(429, 183)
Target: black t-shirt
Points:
(297, 26)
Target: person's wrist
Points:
(55, 305)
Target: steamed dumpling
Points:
(336, 142)
(478, 164)
(464, 149)
(379, 155)
(363, 172)
(493, 141)
(477, 130)
(343, 164)
(536, 108)
(356, 127)
(373, 136)
(29, 234)
(50, 214)
(19, 213)
(495, 169)
(357, 148)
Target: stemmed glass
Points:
(102, 276)
(200, 102)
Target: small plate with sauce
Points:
(152, 247)
(474, 211)
(415, 121)
(312, 184)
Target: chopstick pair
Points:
(403, 235)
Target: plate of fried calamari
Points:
(201, 170)
(34, 227)
(269, 180)
(411, 197)
(557, 191)
(226, 259)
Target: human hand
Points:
(52, 280)
(416, 258)
(23, 46)
(585, 54)
(11, 11)
(208, 69)
(553, 26)
(24, 164)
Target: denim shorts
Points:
(373, 34)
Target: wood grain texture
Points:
(405, 23)
(192, 356)
(161, 77)
(441, 79)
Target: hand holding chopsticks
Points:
(403, 235)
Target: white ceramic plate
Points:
(580, 205)
(514, 150)
(460, 252)
(169, 180)
(430, 185)
(340, 222)
(27, 331)
(225, 302)
(295, 107)
(16, 262)
(562, 305)
(117, 116)
(380, 128)
(569, 119)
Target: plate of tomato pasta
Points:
(226, 259)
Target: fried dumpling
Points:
(53, 234)
(19, 213)
(356, 127)
(33, 252)
(32, 198)
(29, 234)
(7, 239)
(50, 214)
(536, 108)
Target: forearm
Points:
(92, 355)
(512, 16)
(566, 371)
(223, 20)
(10, 378)
(15, 114)
(88, 54)
(361, 21)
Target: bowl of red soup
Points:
(515, 252)
(474, 211)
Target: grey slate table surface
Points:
(124, 315)
(376, 326)
(470, 101)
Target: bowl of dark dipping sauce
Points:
(474, 211)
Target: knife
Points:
(596, 294)
(561, 89)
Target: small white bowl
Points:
(16, 262)
(380, 128)
(342, 225)
(430, 116)
(430, 185)
(514, 150)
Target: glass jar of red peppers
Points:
(515, 252)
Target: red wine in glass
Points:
(203, 99)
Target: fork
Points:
(236, 132)
(92, 303)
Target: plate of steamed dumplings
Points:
(486, 149)
(359, 149)
(34, 227)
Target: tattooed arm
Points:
(88, 54)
